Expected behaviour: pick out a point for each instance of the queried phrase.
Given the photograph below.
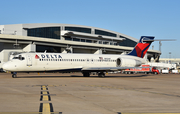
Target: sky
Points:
(135, 18)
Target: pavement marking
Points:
(44, 88)
(46, 108)
(40, 107)
(45, 92)
(45, 98)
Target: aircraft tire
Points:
(86, 74)
(14, 76)
(102, 75)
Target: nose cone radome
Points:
(5, 67)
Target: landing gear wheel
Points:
(101, 75)
(86, 74)
(14, 76)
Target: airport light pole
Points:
(160, 44)
(169, 57)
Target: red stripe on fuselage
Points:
(140, 47)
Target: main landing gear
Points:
(87, 74)
(14, 74)
(101, 74)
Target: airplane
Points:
(85, 63)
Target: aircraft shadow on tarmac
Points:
(76, 76)
(127, 76)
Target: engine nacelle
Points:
(126, 62)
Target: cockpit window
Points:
(19, 57)
(15, 57)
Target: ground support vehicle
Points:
(142, 69)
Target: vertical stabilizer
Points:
(142, 46)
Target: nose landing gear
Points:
(14, 74)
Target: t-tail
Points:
(142, 46)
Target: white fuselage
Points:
(58, 62)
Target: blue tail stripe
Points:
(144, 50)
(134, 53)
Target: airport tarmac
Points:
(74, 94)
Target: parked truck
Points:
(143, 69)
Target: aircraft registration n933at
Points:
(85, 63)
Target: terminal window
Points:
(41, 48)
(100, 32)
(127, 42)
(83, 40)
(46, 32)
(79, 29)
(67, 38)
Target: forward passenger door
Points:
(29, 60)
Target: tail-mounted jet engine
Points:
(126, 62)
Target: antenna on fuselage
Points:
(45, 51)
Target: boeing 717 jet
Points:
(85, 63)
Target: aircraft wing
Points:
(105, 68)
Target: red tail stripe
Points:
(140, 47)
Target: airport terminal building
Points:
(64, 38)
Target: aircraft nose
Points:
(6, 66)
